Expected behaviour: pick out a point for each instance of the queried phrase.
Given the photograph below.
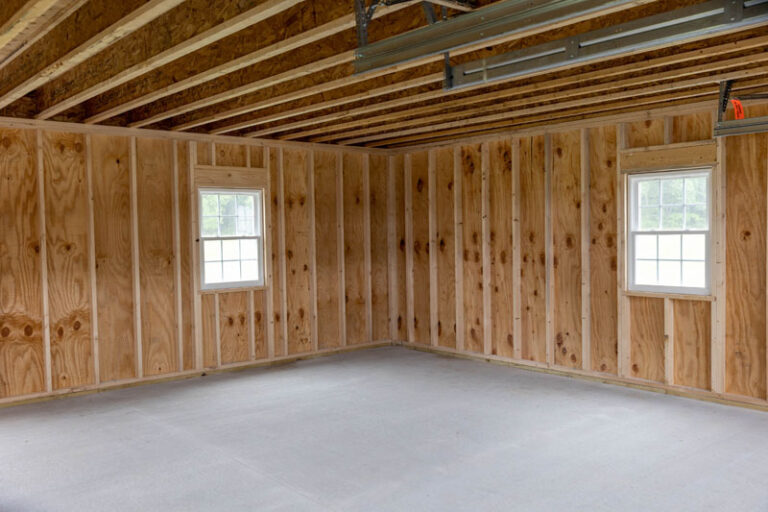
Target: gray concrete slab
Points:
(382, 430)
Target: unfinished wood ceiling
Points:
(284, 69)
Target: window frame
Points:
(259, 220)
(633, 207)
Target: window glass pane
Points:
(210, 226)
(649, 218)
(250, 270)
(672, 217)
(696, 217)
(645, 272)
(694, 274)
(245, 206)
(213, 272)
(669, 247)
(249, 249)
(227, 226)
(212, 250)
(210, 205)
(648, 191)
(231, 271)
(696, 190)
(245, 226)
(645, 247)
(231, 250)
(669, 273)
(672, 191)
(228, 204)
(694, 247)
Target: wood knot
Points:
(419, 185)
(28, 331)
(746, 235)
(5, 332)
(635, 368)
(560, 152)
(76, 326)
(258, 316)
(230, 321)
(60, 331)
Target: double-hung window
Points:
(669, 232)
(232, 238)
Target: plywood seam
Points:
(313, 251)
(177, 258)
(409, 245)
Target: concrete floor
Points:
(382, 430)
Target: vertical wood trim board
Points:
(92, 260)
(624, 354)
(433, 276)
(516, 254)
(719, 283)
(486, 248)
(312, 251)
(409, 246)
(586, 266)
(135, 253)
(44, 262)
(549, 339)
(459, 245)
(367, 271)
(341, 247)
(392, 247)
(177, 256)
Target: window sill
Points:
(232, 289)
(676, 296)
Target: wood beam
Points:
(245, 105)
(307, 23)
(204, 22)
(92, 28)
(515, 89)
(16, 16)
(515, 108)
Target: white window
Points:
(231, 238)
(669, 241)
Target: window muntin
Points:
(669, 239)
(232, 239)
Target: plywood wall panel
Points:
(533, 249)
(204, 153)
(420, 249)
(354, 249)
(379, 171)
(745, 217)
(22, 359)
(187, 320)
(692, 339)
(114, 265)
(276, 204)
(647, 338)
(472, 251)
(566, 247)
(692, 127)
(500, 218)
(603, 250)
(69, 282)
(231, 155)
(156, 256)
(297, 250)
(209, 328)
(446, 248)
(234, 327)
(327, 257)
(259, 324)
(400, 321)
(649, 132)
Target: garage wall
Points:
(513, 252)
(98, 259)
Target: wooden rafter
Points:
(143, 51)
(324, 19)
(16, 16)
(95, 26)
(237, 106)
(338, 118)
